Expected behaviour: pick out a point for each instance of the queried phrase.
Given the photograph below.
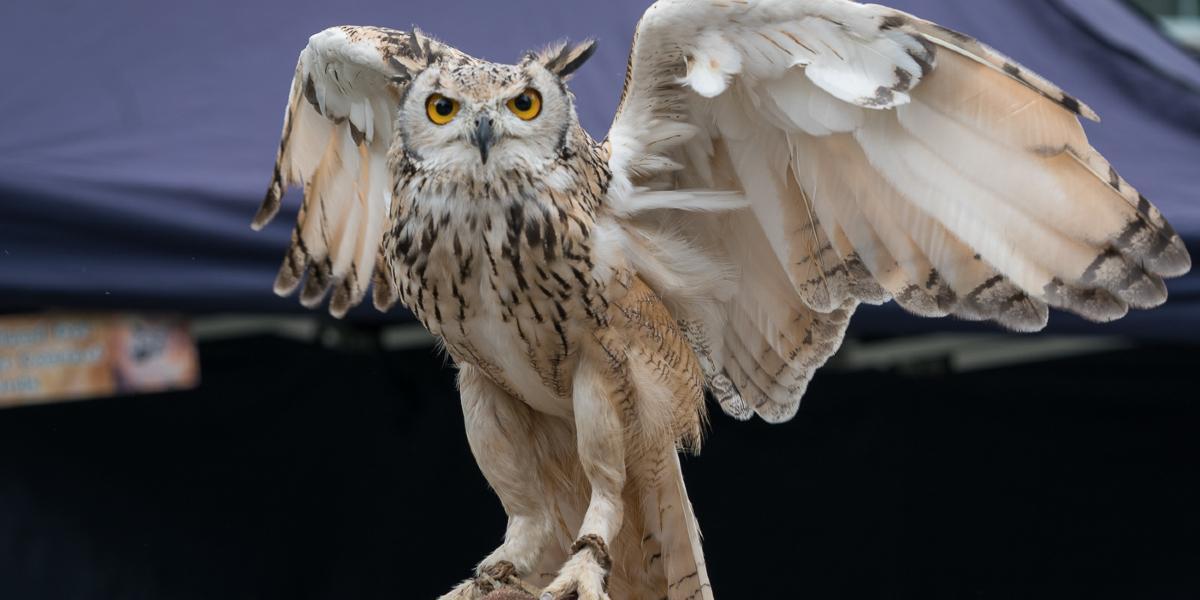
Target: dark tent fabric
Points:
(138, 136)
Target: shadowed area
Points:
(1072, 478)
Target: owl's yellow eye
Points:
(527, 105)
(441, 110)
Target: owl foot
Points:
(585, 575)
(495, 578)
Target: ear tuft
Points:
(563, 59)
(414, 52)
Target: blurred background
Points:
(172, 430)
(1179, 18)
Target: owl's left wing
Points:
(882, 157)
(336, 135)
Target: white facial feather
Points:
(484, 89)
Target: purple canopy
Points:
(138, 136)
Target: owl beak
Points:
(484, 136)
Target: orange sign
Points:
(45, 358)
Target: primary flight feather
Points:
(773, 164)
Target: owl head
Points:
(470, 118)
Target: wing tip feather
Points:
(270, 204)
(285, 284)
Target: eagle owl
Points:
(772, 165)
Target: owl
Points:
(773, 164)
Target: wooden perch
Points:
(505, 586)
(509, 593)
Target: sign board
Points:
(51, 357)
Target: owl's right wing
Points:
(336, 134)
(882, 157)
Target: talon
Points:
(571, 595)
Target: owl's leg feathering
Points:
(600, 435)
(504, 437)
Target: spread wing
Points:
(336, 134)
(882, 157)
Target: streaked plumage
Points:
(773, 164)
